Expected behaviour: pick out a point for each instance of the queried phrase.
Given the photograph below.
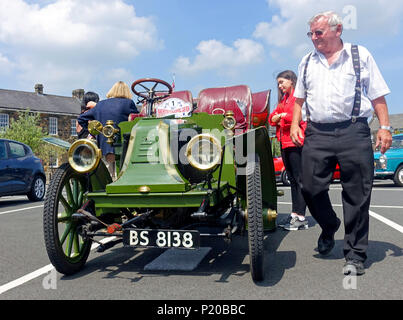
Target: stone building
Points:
(58, 114)
(396, 122)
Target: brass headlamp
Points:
(229, 121)
(95, 127)
(109, 131)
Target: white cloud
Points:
(287, 29)
(214, 55)
(64, 39)
(5, 65)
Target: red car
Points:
(281, 174)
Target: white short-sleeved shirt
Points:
(331, 89)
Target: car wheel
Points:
(67, 249)
(284, 178)
(37, 191)
(254, 218)
(398, 177)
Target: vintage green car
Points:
(186, 169)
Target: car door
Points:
(21, 169)
(5, 170)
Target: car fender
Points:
(257, 141)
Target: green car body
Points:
(159, 188)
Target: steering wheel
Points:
(146, 88)
(150, 92)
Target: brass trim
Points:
(271, 215)
(144, 189)
(97, 153)
(95, 127)
(190, 145)
(226, 118)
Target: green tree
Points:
(26, 129)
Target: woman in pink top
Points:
(281, 118)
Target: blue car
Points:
(390, 164)
(21, 172)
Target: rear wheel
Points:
(398, 177)
(255, 219)
(67, 249)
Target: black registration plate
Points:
(161, 238)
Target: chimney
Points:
(78, 93)
(39, 88)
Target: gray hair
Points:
(333, 19)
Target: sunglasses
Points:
(317, 33)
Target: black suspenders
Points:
(357, 98)
(306, 89)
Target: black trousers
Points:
(349, 144)
(293, 166)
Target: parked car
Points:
(281, 174)
(184, 173)
(390, 164)
(21, 172)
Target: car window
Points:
(397, 143)
(16, 150)
(3, 152)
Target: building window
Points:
(53, 126)
(4, 122)
(73, 127)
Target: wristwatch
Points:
(389, 128)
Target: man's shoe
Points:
(326, 243)
(284, 222)
(354, 267)
(296, 224)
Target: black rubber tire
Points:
(38, 189)
(255, 219)
(284, 178)
(71, 258)
(398, 177)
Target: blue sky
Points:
(91, 44)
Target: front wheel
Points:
(67, 249)
(255, 219)
(398, 177)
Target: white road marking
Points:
(20, 281)
(375, 215)
(37, 273)
(390, 223)
(16, 210)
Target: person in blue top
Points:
(116, 107)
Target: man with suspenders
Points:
(341, 85)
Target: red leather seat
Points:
(260, 108)
(219, 100)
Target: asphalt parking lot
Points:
(294, 269)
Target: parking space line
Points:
(375, 215)
(37, 273)
(22, 209)
(390, 223)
